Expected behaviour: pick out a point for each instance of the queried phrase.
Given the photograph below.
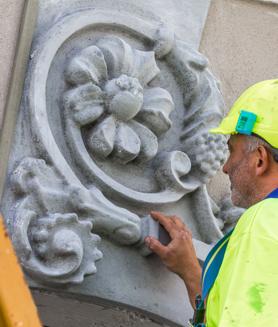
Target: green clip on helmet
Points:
(255, 111)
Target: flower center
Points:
(125, 96)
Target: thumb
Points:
(156, 246)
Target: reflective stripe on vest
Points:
(212, 264)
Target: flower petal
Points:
(127, 144)
(86, 101)
(101, 138)
(157, 106)
(83, 95)
(122, 59)
(145, 68)
(149, 145)
(117, 54)
(88, 115)
(88, 66)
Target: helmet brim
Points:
(219, 130)
(227, 126)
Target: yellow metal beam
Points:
(17, 308)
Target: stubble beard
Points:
(243, 187)
(242, 200)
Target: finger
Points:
(164, 220)
(172, 219)
(173, 224)
(167, 223)
(157, 215)
(182, 235)
(177, 220)
(156, 246)
(181, 225)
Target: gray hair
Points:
(254, 141)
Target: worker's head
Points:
(252, 124)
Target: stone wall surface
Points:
(114, 122)
(240, 41)
(10, 16)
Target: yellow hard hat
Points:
(254, 112)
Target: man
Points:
(241, 290)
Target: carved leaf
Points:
(202, 98)
(145, 68)
(122, 59)
(119, 223)
(157, 106)
(53, 223)
(165, 40)
(88, 66)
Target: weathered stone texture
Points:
(10, 15)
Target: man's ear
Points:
(263, 160)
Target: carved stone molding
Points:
(89, 68)
(53, 223)
(121, 120)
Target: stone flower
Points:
(110, 94)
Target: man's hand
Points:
(179, 255)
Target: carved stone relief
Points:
(53, 223)
(114, 111)
(119, 111)
(117, 102)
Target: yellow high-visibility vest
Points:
(245, 292)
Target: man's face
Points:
(239, 168)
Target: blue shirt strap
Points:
(273, 194)
(213, 263)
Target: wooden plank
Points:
(17, 308)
